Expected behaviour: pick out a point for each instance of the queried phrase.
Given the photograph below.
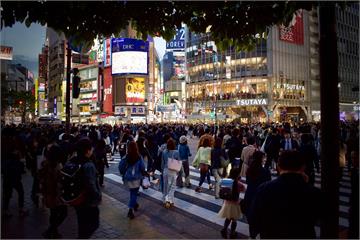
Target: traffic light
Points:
(76, 83)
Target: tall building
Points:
(347, 26)
(270, 83)
(56, 73)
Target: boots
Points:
(224, 233)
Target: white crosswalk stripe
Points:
(208, 197)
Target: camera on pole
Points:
(76, 83)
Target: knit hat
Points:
(183, 139)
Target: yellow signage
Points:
(135, 90)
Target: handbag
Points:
(224, 162)
(174, 165)
(145, 183)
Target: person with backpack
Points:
(230, 209)
(132, 168)
(81, 188)
(50, 186)
(184, 154)
(169, 174)
(256, 174)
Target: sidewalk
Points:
(113, 221)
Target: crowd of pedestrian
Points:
(67, 169)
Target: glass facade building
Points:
(269, 83)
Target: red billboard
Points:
(108, 98)
(294, 33)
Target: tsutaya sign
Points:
(252, 102)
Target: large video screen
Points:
(129, 62)
(129, 56)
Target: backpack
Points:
(72, 183)
(226, 187)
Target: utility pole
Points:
(68, 69)
(330, 130)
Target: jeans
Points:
(7, 192)
(169, 186)
(88, 220)
(204, 175)
(184, 170)
(57, 217)
(133, 197)
(217, 173)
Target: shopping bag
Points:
(145, 183)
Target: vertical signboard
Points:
(36, 96)
(107, 52)
(295, 33)
(108, 97)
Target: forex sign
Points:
(179, 40)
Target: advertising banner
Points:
(179, 65)
(108, 97)
(129, 56)
(179, 40)
(135, 90)
(295, 33)
(107, 52)
(6, 53)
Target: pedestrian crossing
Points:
(204, 204)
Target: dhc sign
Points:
(252, 102)
(179, 40)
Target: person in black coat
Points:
(255, 176)
(287, 207)
(309, 153)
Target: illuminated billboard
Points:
(129, 56)
(135, 90)
(294, 33)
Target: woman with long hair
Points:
(50, 178)
(133, 169)
(169, 175)
(202, 160)
(255, 176)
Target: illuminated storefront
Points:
(272, 81)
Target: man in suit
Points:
(287, 207)
(288, 143)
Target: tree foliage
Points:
(231, 22)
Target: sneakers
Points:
(136, 207)
(224, 233)
(188, 185)
(198, 189)
(211, 186)
(167, 205)
(131, 214)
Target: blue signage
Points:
(128, 44)
(179, 40)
